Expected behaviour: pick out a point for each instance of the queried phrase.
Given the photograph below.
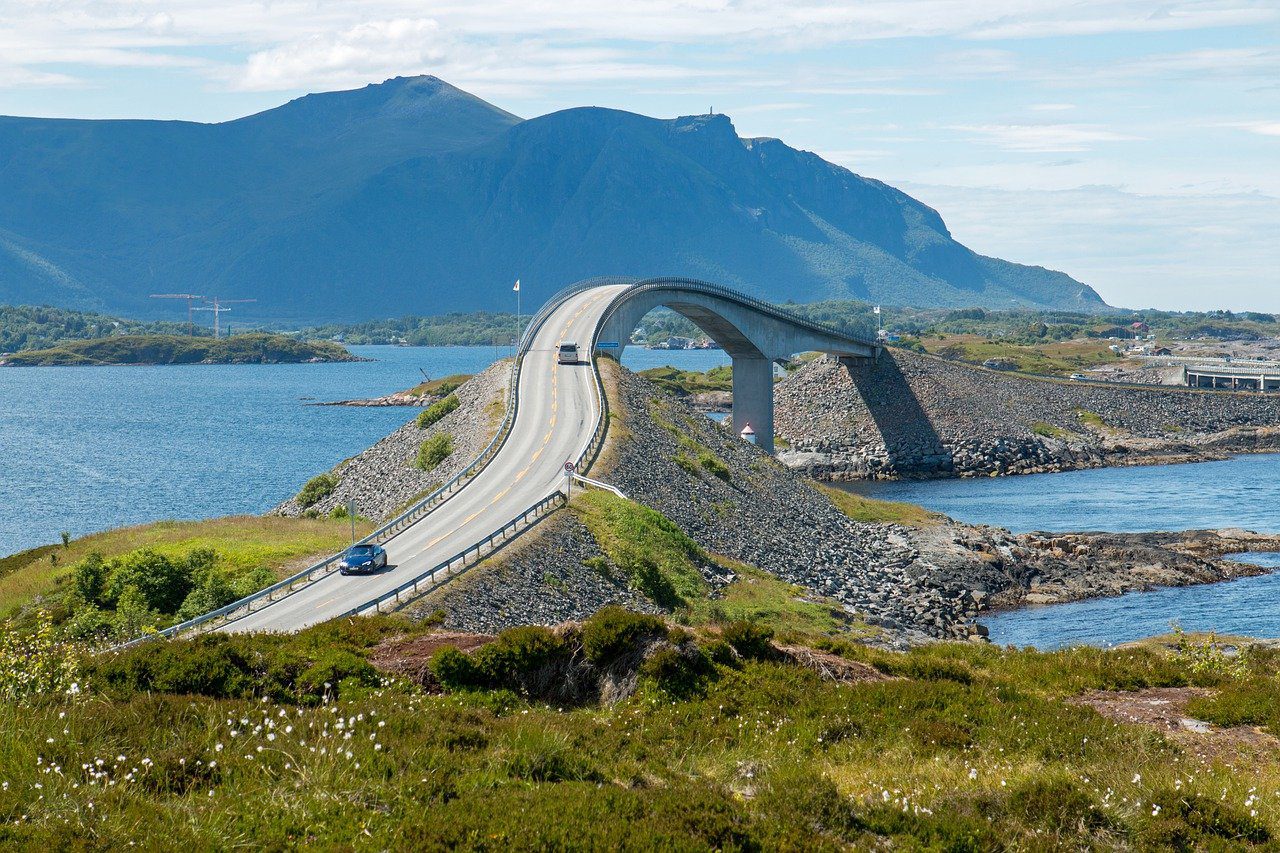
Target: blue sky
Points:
(1135, 145)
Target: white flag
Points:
(875, 310)
(517, 288)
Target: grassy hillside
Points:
(729, 741)
(254, 348)
(245, 547)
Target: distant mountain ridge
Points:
(412, 196)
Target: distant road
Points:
(554, 423)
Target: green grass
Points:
(1049, 430)
(1060, 358)
(439, 387)
(317, 489)
(241, 542)
(969, 748)
(685, 382)
(251, 348)
(1091, 419)
(655, 555)
(760, 598)
(874, 511)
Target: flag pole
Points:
(519, 330)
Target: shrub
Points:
(437, 410)
(34, 664)
(1188, 821)
(317, 489)
(162, 583)
(90, 577)
(454, 669)
(749, 640)
(516, 654)
(614, 631)
(681, 673)
(434, 450)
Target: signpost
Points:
(607, 345)
(569, 468)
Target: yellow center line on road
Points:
(324, 603)
(555, 400)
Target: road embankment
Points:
(387, 477)
(917, 416)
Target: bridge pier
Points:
(753, 398)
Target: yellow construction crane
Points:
(190, 297)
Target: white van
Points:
(568, 353)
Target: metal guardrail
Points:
(286, 587)
(600, 484)
(431, 579)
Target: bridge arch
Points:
(754, 333)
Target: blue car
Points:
(360, 559)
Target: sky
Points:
(1132, 144)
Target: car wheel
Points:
(342, 572)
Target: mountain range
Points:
(412, 196)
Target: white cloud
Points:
(373, 49)
(1262, 128)
(1042, 138)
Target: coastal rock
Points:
(909, 415)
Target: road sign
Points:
(607, 345)
(569, 467)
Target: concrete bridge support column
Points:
(753, 398)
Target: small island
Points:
(251, 348)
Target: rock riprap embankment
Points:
(911, 415)
(543, 579)
(385, 479)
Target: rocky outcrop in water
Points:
(909, 415)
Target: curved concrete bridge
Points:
(754, 333)
(556, 416)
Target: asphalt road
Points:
(555, 421)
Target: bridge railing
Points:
(442, 572)
(287, 586)
(735, 296)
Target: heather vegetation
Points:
(619, 733)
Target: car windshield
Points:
(360, 550)
(568, 347)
